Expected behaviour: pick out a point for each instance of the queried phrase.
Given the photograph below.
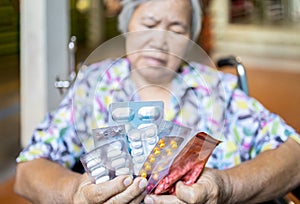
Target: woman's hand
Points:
(122, 189)
(258, 180)
(211, 187)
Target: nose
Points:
(160, 40)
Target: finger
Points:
(149, 199)
(133, 191)
(98, 193)
(139, 199)
(84, 182)
(196, 193)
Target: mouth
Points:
(155, 61)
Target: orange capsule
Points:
(156, 150)
(147, 166)
(151, 158)
(174, 144)
(143, 173)
(161, 143)
(168, 152)
(155, 175)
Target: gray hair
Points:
(130, 5)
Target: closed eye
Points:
(178, 28)
(149, 22)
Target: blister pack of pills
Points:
(110, 157)
(141, 120)
(135, 115)
(172, 139)
(189, 163)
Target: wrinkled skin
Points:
(210, 188)
(111, 191)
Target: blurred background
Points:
(38, 58)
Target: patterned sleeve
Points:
(254, 129)
(55, 138)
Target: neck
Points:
(154, 92)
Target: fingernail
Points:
(143, 183)
(127, 181)
(148, 200)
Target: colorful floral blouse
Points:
(202, 98)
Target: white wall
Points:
(44, 28)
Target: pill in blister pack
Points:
(159, 160)
(141, 142)
(172, 138)
(110, 157)
(94, 166)
(189, 163)
(136, 114)
(141, 120)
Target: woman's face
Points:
(155, 52)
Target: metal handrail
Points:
(62, 85)
(240, 70)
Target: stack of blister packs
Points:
(139, 142)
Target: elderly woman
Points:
(254, 163)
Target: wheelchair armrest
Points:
(240, 70)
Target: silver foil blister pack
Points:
(141, 120)
(110, 157)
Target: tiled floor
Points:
(278, 91)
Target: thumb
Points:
(99, 193)
(196, 193)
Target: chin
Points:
(157, 75)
